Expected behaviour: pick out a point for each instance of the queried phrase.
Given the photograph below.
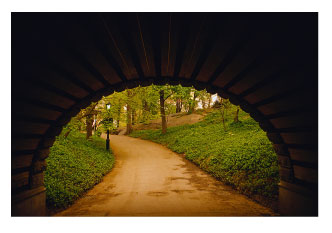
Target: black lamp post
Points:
(108, 107)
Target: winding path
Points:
(150, 180)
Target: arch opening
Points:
(265, 188)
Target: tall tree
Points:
(133, 116)
(118, 117)
(181, 97)
(193, 102)
(88, 114)
(141, 104)
(89, 121)
(236, 115)
(225, 104)
(129, 124)
(178, 105)
(162, 111)
(129, 111)
(164, 93)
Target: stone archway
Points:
(63, 62)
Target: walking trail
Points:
(150, 180)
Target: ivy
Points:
(74, 166)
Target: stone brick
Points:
(234, 100)
(265, 125)
(42, 153)
(286, 174)
(19, 180)
(54, 131)
(48, 142)
(63, 120)
(281, 149)
(21, 161)
(293, 201)
(37, 180)
(83, 103)
(25, 144)
(302, 155)
(306, 174)
(39, 166)
(74, 111)
(224, 95)
(29, 203)
(284, 161)
(96, 97)
(274, 137)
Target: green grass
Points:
(242, 156)
(74, 166)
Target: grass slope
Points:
(74, 166)
(242, 156)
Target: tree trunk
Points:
(162, 111)
(133, 116)
(145, 111)
(236, 117)
(67, 133)
(129, 117)
(118, 118)
(178, 105)
(89, 121)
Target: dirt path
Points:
(150, 180)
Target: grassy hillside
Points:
(74, 166)
(241, 156)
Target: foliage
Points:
(242, 156)
(98, 133)
(139, 105)
(74, 166)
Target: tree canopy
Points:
(139, 105)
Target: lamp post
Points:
(108, 107)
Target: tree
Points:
(164, 93)
(204, 98)
(192, 101)
(236, 115)
(181, 97)
(128, 108)
(75, 123)
(88, 114)
(89, 121)
(179, 94)
(162, 111)
(224, 105)
(140, 105)
(118, 101)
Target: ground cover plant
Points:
(74, 166)
(238, 153)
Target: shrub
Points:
(98, 132)
(74, 166)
